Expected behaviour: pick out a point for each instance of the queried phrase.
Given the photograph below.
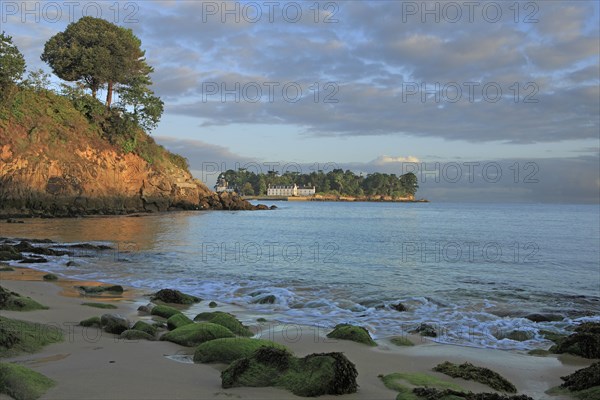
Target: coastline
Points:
(90, 363)
(324, 198)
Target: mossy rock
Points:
(50, 277)
(22, 383)
(12, 301)
(196, 334)
(92, 321)
(134, 334)
(585, 342)
(428, 393)
(402, 382)
(269, 299)
(6, 269)
(212, 304)
(114, 323)
(25, 337)
(227, 350)
(351, 332)
(105, 306)
(516, 335)
(177, 321)
(261, 320)
(426, 330)
(401, 341)
(92, 290)
(175, 297)
(145, 327)
(538, 352)
(313, 375)
(227, 320)
(553, 336)
(482, 375)
(164, 311)
(583, 379)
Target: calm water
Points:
(472, 270)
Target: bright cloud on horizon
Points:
(361, 82)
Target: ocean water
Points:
(473, 271)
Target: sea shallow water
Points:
(473, 271)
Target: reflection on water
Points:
(143, 233)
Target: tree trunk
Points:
(109, 94)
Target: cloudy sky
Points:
(484, 100)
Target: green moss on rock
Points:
(585, 342)
(401, 341)
(22, 383)
(25, 337)
(583, 379)
(426, 393)
(174, 296)
(403, 381)
(212, 304)
(100, 305)
(95, 290)
(227, 350)
(92, 321)
(227, 320)
(177, 321)
(351, 332)
(145, 327)
(114, 323)
(164, 311)
(197, 333)
(12, 301)
(482, 375)
(50, 277)
(133, 334)
(538, 352)
(313, 375)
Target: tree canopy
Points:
(12, 62)
(338, 181)
(97, 53)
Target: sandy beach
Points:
(93, 364)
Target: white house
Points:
(290, 191)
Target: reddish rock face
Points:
(99, 181)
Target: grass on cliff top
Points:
(44, 122)
(25, 337)
(22, 383)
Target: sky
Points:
(484, 100)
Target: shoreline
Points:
(324, 198)
(90, 359)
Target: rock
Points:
(133, 334)
(398, 307)
(164, 311)
(50, 277)
(100, 289)
(147, 309)
(401, 341)
(33, 260)
(212, 304)
(227, 350)
(269, 299)
(227, 320)
(12, 301)
(196, 334)
(482, 375)
(544, 317)
(144, 327)
(350, 332)
(425, 330)
(27, 247)
(427, 393)
(72, 264)
(313, 375)
(585, 342)
(583, 379)
(20, 382)
(9, 253)
(177, 321)
(516, 335)
(92, 321)
(174, 296)
(114, 323)
(89, 246)
(14, 221)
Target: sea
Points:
(474, 272)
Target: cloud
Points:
(390, 160)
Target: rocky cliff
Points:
(56, 162)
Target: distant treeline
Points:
(338, 182)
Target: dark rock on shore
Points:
(437, 394)
(313, 375)
(33, 260)
(585, 342)
(174, 296)
(583, 379)
(114, 323)
(100, 289)
(269, 299)
(425, 330)
(398, 307)
(482, 375)
(544, 317)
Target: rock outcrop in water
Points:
(57, 161)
